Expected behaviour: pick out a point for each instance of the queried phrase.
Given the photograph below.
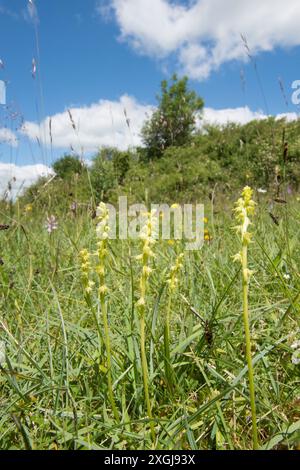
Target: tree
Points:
(103, 175)
(173, 123)
(121, 162)
(67, 166)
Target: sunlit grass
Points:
(54, 379)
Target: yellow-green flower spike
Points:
(245, 207)
(147, 236)
(174, 271)
(102, 232)
(86, 271)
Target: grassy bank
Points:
(54, 387)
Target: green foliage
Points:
(67, 166)
(53, 380)
(260, 153)
(264, 154)
(182, 173)
(54, 369)
(173, 123)
(121, 162)
(103, 175)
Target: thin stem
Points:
(168, 367)
(108, 355)
(145, 371)
(248, 343)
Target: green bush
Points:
(67, 166)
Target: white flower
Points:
(261, 190)
(296, 358)
(296, 353)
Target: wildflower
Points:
(103, 289)
(86, 270)
(28, 208)
(51, 224)
(262, 191)
(141, 302)
(296, 354)
(237, 257)
(296, 358)
(102, 232)
(89, 286)
(174, 271)
(172, 282)
(205, 220)
(147, 235)
(207, 236)
(175, 206)
(245, 207)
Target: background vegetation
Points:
(54, 370)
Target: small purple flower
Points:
(51, 224)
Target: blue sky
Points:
(93, 53)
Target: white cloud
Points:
(288, 116)
(19, 177)
(205, 33)
(104, 124)
(95, 129)
(8, 137)
(242, 115)
(231, 115)
(101, 124)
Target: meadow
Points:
(142, 344)
(63, 386)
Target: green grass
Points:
(53, 384)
